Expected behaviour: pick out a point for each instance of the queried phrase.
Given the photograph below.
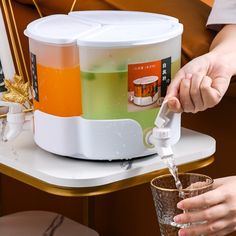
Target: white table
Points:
(22, 159)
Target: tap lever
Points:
(164, 130)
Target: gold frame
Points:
(10, 17)
(15, 44)
(6, 57)
(73, 5)
(98, 190)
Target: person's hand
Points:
(200, 84)
(218, 210)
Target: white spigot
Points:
(166, 127)
(15, 120)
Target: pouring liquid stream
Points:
(170, 163)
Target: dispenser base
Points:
(90, 139)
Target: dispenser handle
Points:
(166, 130)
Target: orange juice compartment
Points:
(58, 79)
(55, 64)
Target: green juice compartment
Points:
(105, 59)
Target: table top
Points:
(22, 159)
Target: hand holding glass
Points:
(166, 196)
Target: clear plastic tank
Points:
(55, 64)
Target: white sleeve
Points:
(223, 12)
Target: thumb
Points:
(174, 104)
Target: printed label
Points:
(147, 84)
(34, 76)
(165, 75)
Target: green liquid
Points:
(105, 96)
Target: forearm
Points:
(224, 45)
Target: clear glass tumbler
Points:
(166, 196)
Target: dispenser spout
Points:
(15, 120)
(163, 135)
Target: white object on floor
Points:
(41, 223)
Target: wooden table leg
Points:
(88, 211)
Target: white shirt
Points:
(223, 12)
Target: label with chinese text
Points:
(147, 84)
(34, 76)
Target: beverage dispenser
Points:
(98, 84)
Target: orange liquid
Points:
(145, 90)
(59, 91)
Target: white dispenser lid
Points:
(131, 35)
(58, 29)
(120, 17)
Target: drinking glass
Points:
(166, 196)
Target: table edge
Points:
(101, 189)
